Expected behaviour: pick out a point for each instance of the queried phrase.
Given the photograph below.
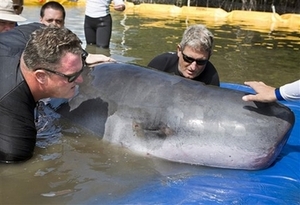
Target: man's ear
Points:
(178, 48)
(41, 76)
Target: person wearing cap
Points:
(8, 16)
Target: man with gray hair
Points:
(192, 57)
(50, 66)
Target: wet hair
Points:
(48, 45)
(198, 37)
(53, 5)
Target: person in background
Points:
(265, 93)
(192, 57)
(8, 16)
(33, 68)
(53, 13)
(98, 21)
(18, 6)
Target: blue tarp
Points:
(278, 184)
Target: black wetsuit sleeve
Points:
(215, 80)
(17, 128)
(210, 75)
(167, 62)
(158, 62)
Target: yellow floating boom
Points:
(211, 15)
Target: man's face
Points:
(52, 16)
(191, 62)
(58, 85)
(6, 25)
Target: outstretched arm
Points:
(92, 59)
(291, 91)
(265, 93)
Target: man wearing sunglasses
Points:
(50, 66)
(192, 57)
(53, 13)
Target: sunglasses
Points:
(71, 78)
(191, 60)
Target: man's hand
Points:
(120, 7)
(264, 93)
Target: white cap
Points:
(7, 12)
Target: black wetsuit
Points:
(17, 127)
(168, 62)
(98, 30)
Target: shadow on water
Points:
(76, 167)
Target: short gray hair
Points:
(197, 37)
(48, 45)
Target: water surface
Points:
(75, 167)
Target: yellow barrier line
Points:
(271, 20)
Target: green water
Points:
(239, 54)
(77, 168)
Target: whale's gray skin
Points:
(177, 119)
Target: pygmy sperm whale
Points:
(170, 117)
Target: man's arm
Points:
(290, 91)
(92, 59)
(265, 93)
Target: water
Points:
(240, 52)
(75, 167)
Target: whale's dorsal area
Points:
(177, 119)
